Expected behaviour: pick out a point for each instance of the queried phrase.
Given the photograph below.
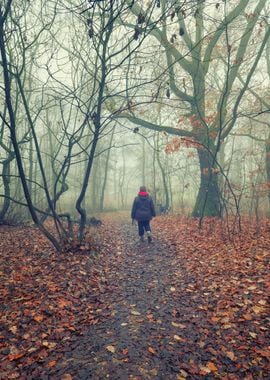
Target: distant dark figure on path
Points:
(143, 211)
(162, 209)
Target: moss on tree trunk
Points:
(208, 198)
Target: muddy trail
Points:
(142, 338)
(137, 340)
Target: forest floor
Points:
(190, 305)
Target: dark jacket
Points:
(143, 207)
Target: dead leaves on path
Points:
(227, 286)
(211, 318)
(46, 300)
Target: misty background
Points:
(101, 97)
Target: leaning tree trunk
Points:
(208, 198)
(79, 203)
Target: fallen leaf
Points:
(204, 370)
(47, 344)
(13, 329)
(225, 320)
(230, 355)
(150, 349)
(135, 312)
(62, 303)
(265, 353)
(51, 364)
(146, 374)
(248, 317)
(182, 375)
(38, 318)
(253, 335)
(15, 356)
(258, 309)
(66, 376)
(111, 349)
(211, 366)
(150, 317)
(179, 325)
(201, 344)
(179, 338)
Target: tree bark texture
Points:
(208, 198)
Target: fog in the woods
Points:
(134, 189)
(100, 97)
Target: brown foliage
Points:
(193, 304)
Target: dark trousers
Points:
(143, 225)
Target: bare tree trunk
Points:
(96, 116)
(31, 167)
(13, 137)
(95, 180)
(122, 181)
(101, 206)
(81, 197)
(154, 192)
(143, 163)
(6, 183)
(164, 182)
(184, 185)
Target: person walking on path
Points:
(143, 211)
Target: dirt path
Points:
(151, 329)
(189, 306)
(192, 305)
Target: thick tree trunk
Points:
(208, 198)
